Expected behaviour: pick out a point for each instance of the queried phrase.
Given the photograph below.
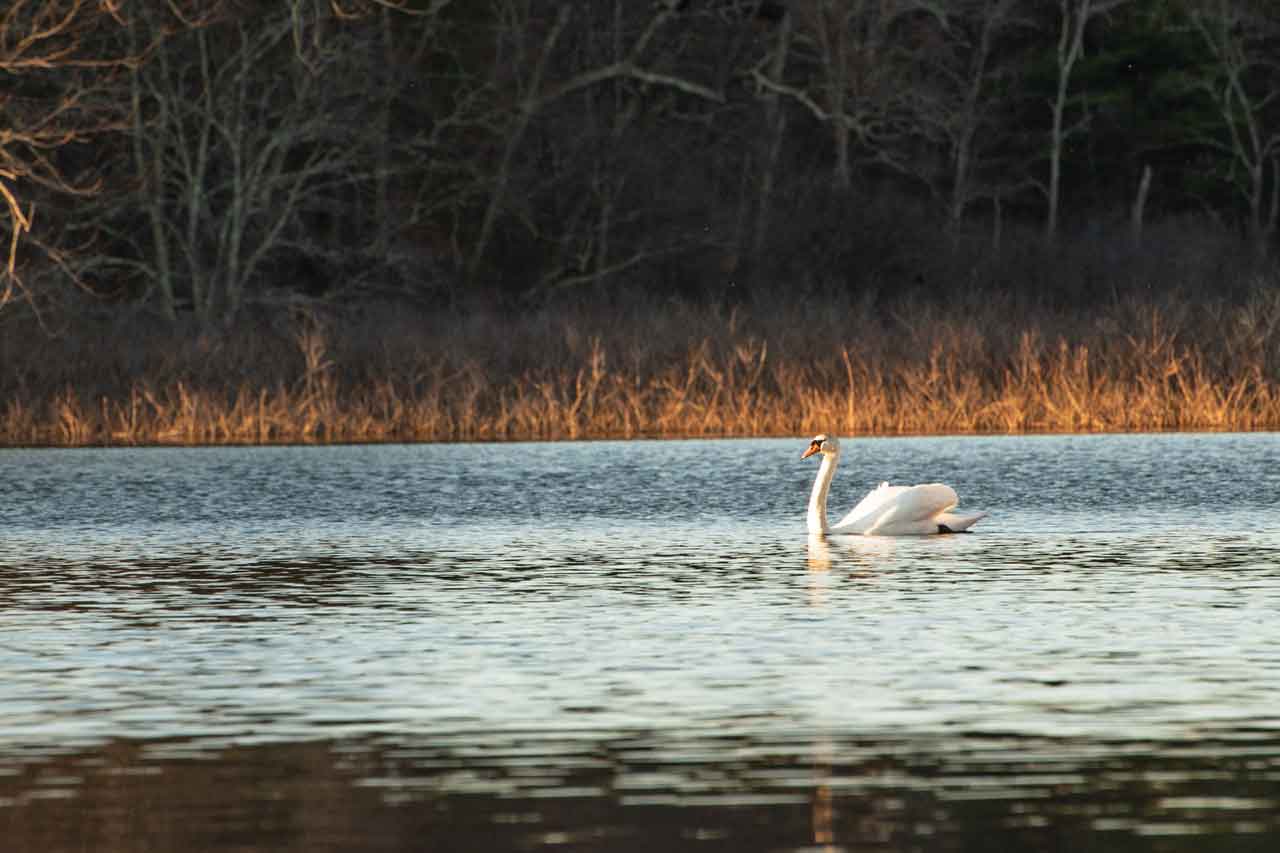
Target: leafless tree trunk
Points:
(1137, 215)
(968, 113)
(775, 121)
(1073, 19)
(524, 111)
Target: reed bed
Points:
(590, 371)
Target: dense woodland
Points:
(183, 171)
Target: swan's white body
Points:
(887, 510)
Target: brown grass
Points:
(820, 363)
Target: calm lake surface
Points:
(636, 646)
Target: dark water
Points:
(635, 646)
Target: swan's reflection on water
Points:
(819, 562)
(862, 552)
(819, 550)
(823, 805)
(861, 555)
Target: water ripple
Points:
(647, 625)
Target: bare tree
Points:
(1244, 88)
(962, 103)
(860, 90)
(242, 150)
(538, 90)
(1073, 19)
(769, 148)
(51, 51)
(312, 21)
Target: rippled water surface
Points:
(636, 646)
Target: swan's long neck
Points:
(817, 516)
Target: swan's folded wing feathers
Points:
(896, 510)
(876, 501)
(929, 500)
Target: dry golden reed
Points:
(579, 372)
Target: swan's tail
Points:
(954, 522)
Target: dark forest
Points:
(461, 218)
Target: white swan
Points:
(887, 510)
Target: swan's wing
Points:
(924, 502)
(900, 510)
(870, 508)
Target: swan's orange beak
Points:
(813, 448)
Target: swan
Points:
(887, 510)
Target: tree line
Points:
(198, 157)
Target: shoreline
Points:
(179, 444)
(216, 418)
(385, 373)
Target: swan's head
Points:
(824, 444)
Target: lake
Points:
(636, 646)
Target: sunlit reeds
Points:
(583, 372)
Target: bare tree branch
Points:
(49, 41)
